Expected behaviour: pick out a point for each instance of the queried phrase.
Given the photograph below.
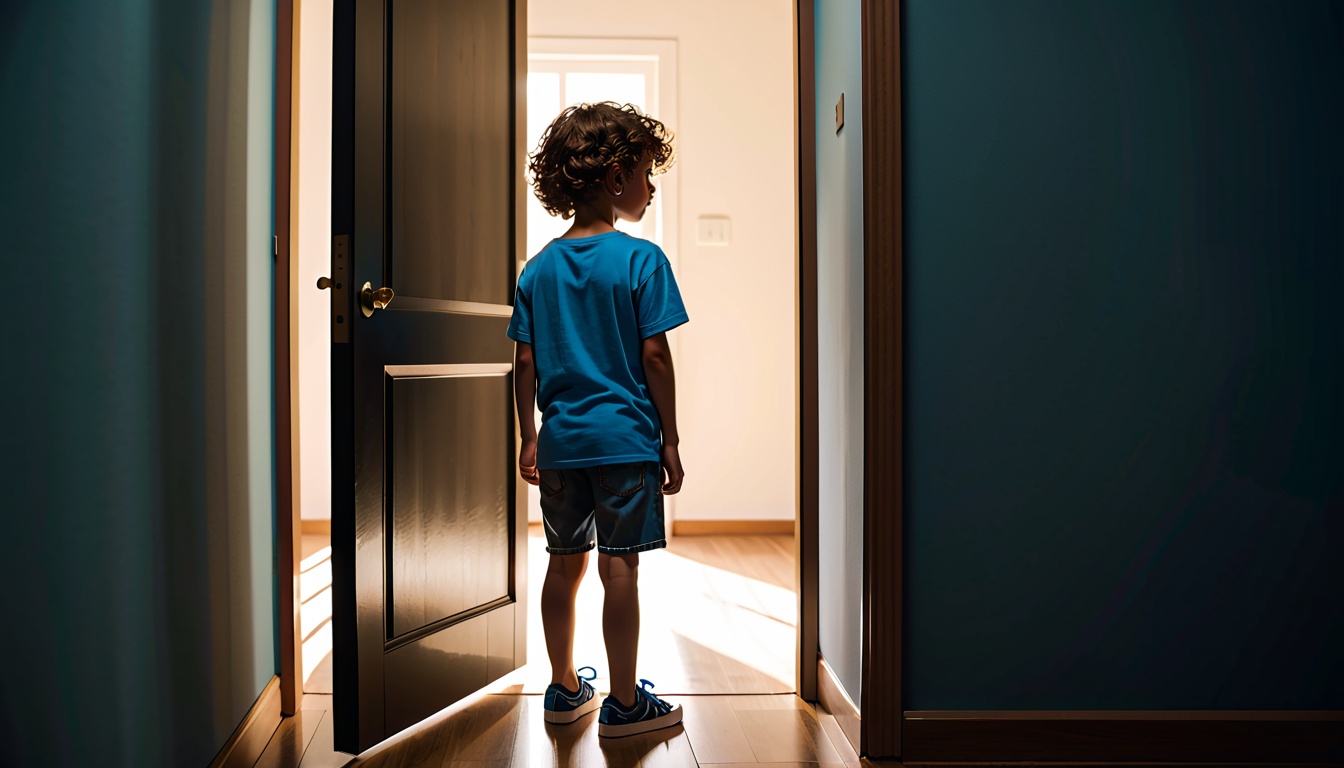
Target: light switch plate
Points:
(714, 230)
(840, 113)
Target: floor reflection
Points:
(716, 617)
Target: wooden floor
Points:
(719, 617)
(720, 642)
(500, 730)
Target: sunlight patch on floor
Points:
(703, 629)
(315, 617)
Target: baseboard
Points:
(1271, 737)
(316, 527)
(834, 700)
(731, 527)
(245, 746)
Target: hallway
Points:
(505, 730)
(719, 625)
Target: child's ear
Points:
(615, 178)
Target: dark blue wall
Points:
(1125, 354)
(138, 555)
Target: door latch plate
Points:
(340, 289)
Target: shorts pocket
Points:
(621, 479)
(552, 482)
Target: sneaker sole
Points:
(644, 726)
(569, 716)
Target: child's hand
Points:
(672, 470)
(527, 463)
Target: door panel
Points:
(452, 146)
(449, 544)
(428, 532)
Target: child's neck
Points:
(589, 220)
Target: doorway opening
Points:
(720, 605)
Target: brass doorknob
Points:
(369, 299)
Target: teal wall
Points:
(840, 339)
(1125, 354)
(135, 212)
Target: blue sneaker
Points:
(565, 706)
(649, 713)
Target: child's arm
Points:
(524, 397)
(663, 392)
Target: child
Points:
(590, 319)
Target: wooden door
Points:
(428, 532)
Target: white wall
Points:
(840, 386)
(736, 361)
(312, 245)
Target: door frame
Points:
(882, 704)
(288, 540)
(879, 714)
(882, 509)
(806, 514)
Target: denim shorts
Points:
(617, 507)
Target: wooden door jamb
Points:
(286, 512)
(881, 700)
(806, 515)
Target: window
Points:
(563, 72)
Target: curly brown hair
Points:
(575, 151)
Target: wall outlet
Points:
(714, 230)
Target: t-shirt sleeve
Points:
(520, 325)
(658, 304)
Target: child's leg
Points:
(557, 615)
(620, 621)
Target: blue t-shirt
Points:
(586, 305)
